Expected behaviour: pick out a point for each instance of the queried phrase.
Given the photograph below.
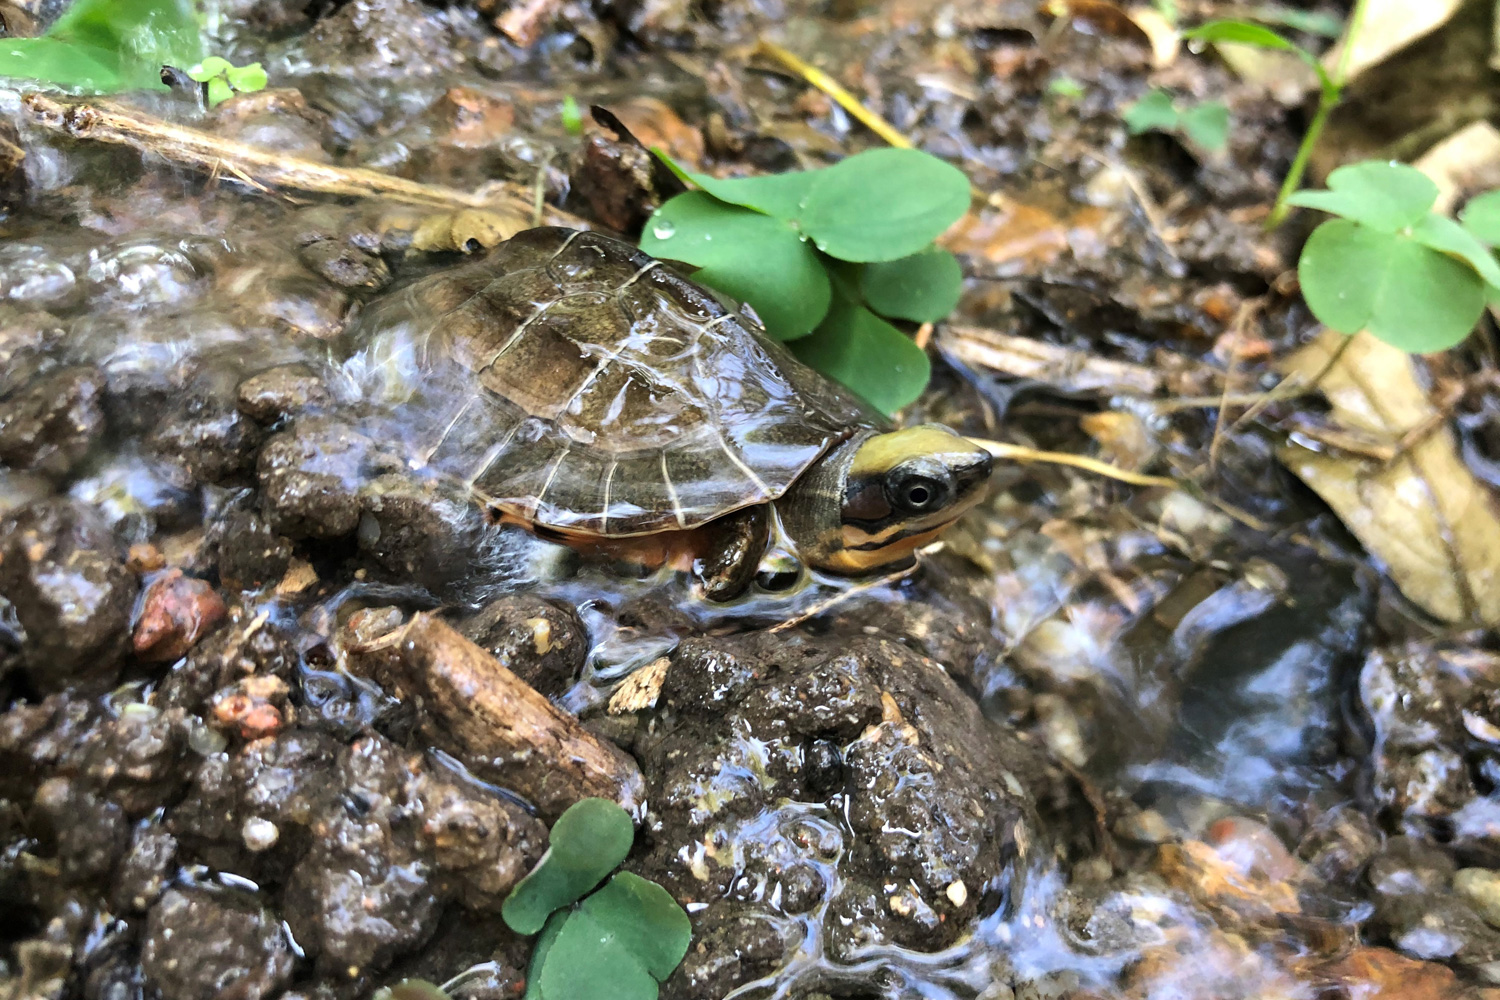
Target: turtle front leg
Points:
(729, 551)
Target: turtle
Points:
(582, 389)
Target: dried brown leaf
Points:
(1424, 514)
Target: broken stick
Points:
(498, 725)
(108, 122)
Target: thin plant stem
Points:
(1328, 99)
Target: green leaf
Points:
(572, 115)
(64, 64)
(1239, 33)
(1384, 196)
(867, 354)
(1481, 217)
(883, 204)
(219, 91)
(1357, 278)
(753, 257)
(145, 34)
(645, 919)
(1065, 86)
(1152, 112)
(104, 46)
(779, 195)
(1443, 234)
(587, 842)
(588, 961)
(544, 942)
(1311, 22)
(247, 79)
(923, 287)
(1207, 124)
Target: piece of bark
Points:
(499, 726)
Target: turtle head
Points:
(876, 499)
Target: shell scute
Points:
(575, 381)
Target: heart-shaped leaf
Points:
(1481, 217)
(1442, 233)
(1412, 297)
(1155, 111)
(780, 195)
(645, 919)
(1384, 196)
(867, 354)
(588, 961)
(923, 287)
(587, 842)
(753, 257)
(1207, 125)
(544, 942)
(883, 204)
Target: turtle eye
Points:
(918, 494)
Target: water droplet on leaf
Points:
(664, 230)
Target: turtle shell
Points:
(575, 382)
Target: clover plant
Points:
(826, 257)
(105, 46)
(618, 941)
(1390, 265)
(1205, 125)
(224, 79)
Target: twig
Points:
(493, 721)
(1328, 99)
(835, 90)
(1242, 319)
(1021, 454)
(106, 122)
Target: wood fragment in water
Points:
(262, 168)
(498, 725)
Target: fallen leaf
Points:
(1101, 15)
(1166, 40)
(1424, 514)
(1466, 162)
(466, 230)
(1389, 27)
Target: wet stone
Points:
(397, 841)
(204, 944)
(147, 867)
(346, 266)
(176, 611)
(28, 339)
(424, 532)
(309, 479)
(208, 437)
(48, 426)
(251, 555)
(543, 644)
(773, 742)
(64, 575)
(280, 392)
(84, 831)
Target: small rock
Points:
(64, 575)
(280, 392)
(309, 478)
(541, 643)
(1481, 887)
(48, 426)
(251, 555)
(177, 611)
(1145, 827)
(204, 945)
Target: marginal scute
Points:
(572, 380)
